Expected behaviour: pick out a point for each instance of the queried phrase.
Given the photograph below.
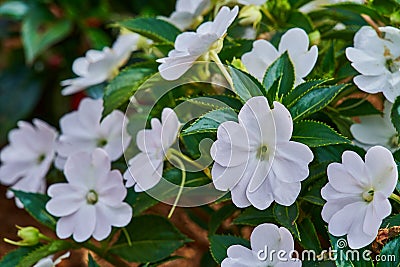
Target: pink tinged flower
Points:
(99, 66)
(83, 130)
(187, 13)
(265, 238)
(189, 46)
(295, 42)
(255, 158)
(91, 201)
(376, 130)
(146, 168)
(357, 195)
(377, 60)
(48, 261)
(28, 157)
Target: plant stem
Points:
(214, 56)
(183, 170)
(107, 256)
(190, 161)
(395, 198)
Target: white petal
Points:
(382, 169)
(371, 84)
(283, 122)
(258, 238)
(294, 41)
(342, 181)
(170, 127)
(225, 178)
(291, 160)
(342, 221)
(259, 58)
(85, 222)
(256, 118)
(285, 193)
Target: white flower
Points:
(146, 168)
(255, 158)
(357, 195)
(28, 157)
(188, 13)
(83, 131)
(48, 261)
(252, 2)
(376, 130)
(265, 238)
(99, 66)
(377, 60)
(92, 200)
(189, 46)
(295, 42)
(318, 4)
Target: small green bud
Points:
(237, 63)
(30, 236)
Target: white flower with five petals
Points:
(28, 157)
(295, 42)
(48, 261)
(99, 66)
(377, 59)
(357, 195)
(376, 130)
(83, 130)
(92, 199)
(189, 46)
(188, 13)
(264, 239)
(255, 158)
(146, 168)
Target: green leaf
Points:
(245, 85)
(152, 28)
(391, 252)
(219, 216)
(219, 244)
(311, 191)
(314, 134)
(40, 30)
(252, 216)
(145, 201)
(14, 257)
(152, 238)
(299, 91)
(23, 86)
(315, 100)
(210, 121)
(357, 107)
(309, 237)
(35, 205)
(43, 251)
(395, 114)
(279, 78)
(124, 85)
(92, 262)
(287, 216)
(15, 9)
(391, 221)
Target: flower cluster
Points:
(277, 137)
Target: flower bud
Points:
(250, 14)
(30, 236)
